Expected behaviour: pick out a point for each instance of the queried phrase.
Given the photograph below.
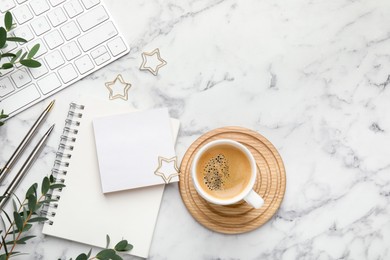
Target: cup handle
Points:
(254, 199)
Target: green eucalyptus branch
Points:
(9, 60)
(25, 58)
(25, 215)
(27, 212)
(107, 253)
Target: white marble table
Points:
(311, 76)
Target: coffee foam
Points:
(216, 171)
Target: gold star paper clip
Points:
(145, 59)
(173, 172)
(113, 87)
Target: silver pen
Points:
(26, 166)
(26, 140)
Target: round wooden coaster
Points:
(240, 217)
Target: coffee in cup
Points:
(224, 172)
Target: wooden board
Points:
(240, 217)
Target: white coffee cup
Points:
(247, 194)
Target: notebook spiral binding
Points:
(63, 154)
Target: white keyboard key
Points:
(54, 60)
(116, 46)
(98, 51)
(73, 8)
(92, 18)
(57, 16)
(67, 73)
(71, 50)
(40, 71)
(24, 32)
(84, 64)
(90, 3)
(49, 83)
(102, 59)
(56, 2)
(21, 1)
(70, 30)
(39, 6)
(22, 14)
(20, 99)
(40, 25)
(6, 5)
(42, 48)
(21, 78)
(53, 39)
(97, 36)
(6, 87)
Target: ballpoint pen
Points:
(26, 166)
(31, 133)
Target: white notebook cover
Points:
(84, 213)
(129, 147)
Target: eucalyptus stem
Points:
(12, 224)
(25, 222)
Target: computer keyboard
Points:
(76, 37)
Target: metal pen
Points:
(26, 140)
(26, 166)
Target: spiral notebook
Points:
(84, 214)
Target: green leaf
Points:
(23, 56)
(45, 185)
(37, 219)
(57, 186)
(106, 254)
(25, 213)
(16, 39)
(89, 253)
(7, 216)
(3, 257)
(3, 37)
(107, 241)
(32, 190)
(32, 202)
(20, 241)
(123, 246)
(2, 115)
(27, 227)
(116, 257)
(7, 65)
(11, 55)
(14, 205)
(33, 51)
(3, 223)
(17, 55)
(17, 198)
(82, 257)
(5, 246)
(8, 21)
(18, 221)
(30, 63)
(48, 201)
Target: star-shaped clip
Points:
(149, 68)
(162, 172)
(113, 87)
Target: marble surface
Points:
(312, 76)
